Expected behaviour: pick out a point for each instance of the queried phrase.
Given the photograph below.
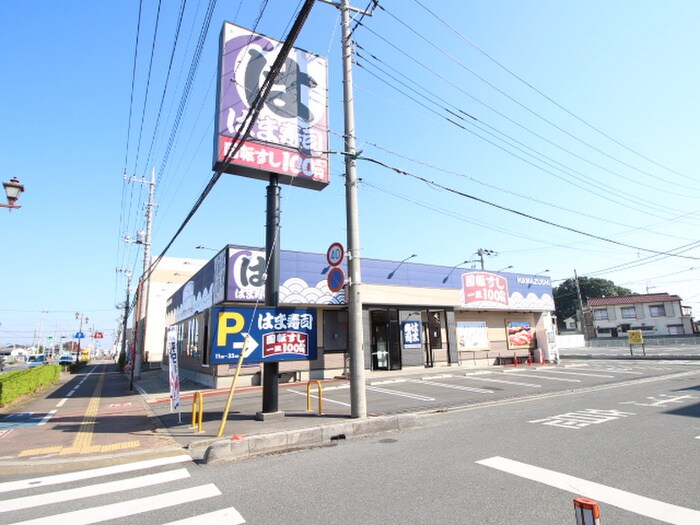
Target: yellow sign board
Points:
(635, 337)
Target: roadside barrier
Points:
(587, 511)
(197, 410)
(320, 396)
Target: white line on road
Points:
(325, 400)
(128, 508)
(574, 373)
(617, 371)
(400, 394)
(517, 383)
(641, 505)
(545, 377)
(46, 418)
(229, 516)
(9, 486)
(454, 387)
(93, 490)
(61, 402)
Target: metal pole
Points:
(358, 400)
(272, 252)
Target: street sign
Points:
(635, 337)
(336, 279)
(265, 335)
(79, 335)
(98, 335)
(335, 254)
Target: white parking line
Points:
(454, 387)
(400, 394)
(325, 399)
(664, 512)
(229, 516)
(617, 371)
(573, 373)
(517, 383)
(545, 377)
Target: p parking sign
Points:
(263, 335)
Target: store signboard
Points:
(290, 135)
(519, 335)
(472, 335)
(411, 334)
(263, 335)
(482, 290)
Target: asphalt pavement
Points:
(99, 415)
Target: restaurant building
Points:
(414, 315)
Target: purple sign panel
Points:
(246, 276)
(290, 135)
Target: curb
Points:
(289, 440)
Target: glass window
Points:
(193, 337)
(657, 310)
(600, 314)
(628, 312)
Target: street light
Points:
(200, 247)
(13, 189)
(457, 266)
(391, 274)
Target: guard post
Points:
(587, 511)
(320, 396)
(197, 410)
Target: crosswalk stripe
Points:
(229, 516)
(127, 508)
(93, 490)
(9, 486)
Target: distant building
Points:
(654, 314)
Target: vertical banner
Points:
(174, 373)
(411, 335)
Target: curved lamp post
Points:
(13, 189)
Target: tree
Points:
(566, 298)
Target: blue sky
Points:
(582, 115)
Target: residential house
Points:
(654, 314)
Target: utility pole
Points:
(145, 240)
(483, 251)
(582, 318)
(125, 319)
(358, 398)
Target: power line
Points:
(516, 212)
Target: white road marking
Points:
(61, 402)
(454, 387)
(517, 383)
(128, 508)
(22, 484)
(325, 399)
(229, 516)
(549, 371)
(400, 394)
(664, 512)
(617, 371)
(46, 418)
(545, 377)
(93, 490)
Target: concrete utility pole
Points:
(358, 399)
(145, 240)
(582, 318)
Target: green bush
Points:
(21, 382)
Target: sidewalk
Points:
(245, 435)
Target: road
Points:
(626, 434)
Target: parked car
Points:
(66, 359)
(36, 360)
